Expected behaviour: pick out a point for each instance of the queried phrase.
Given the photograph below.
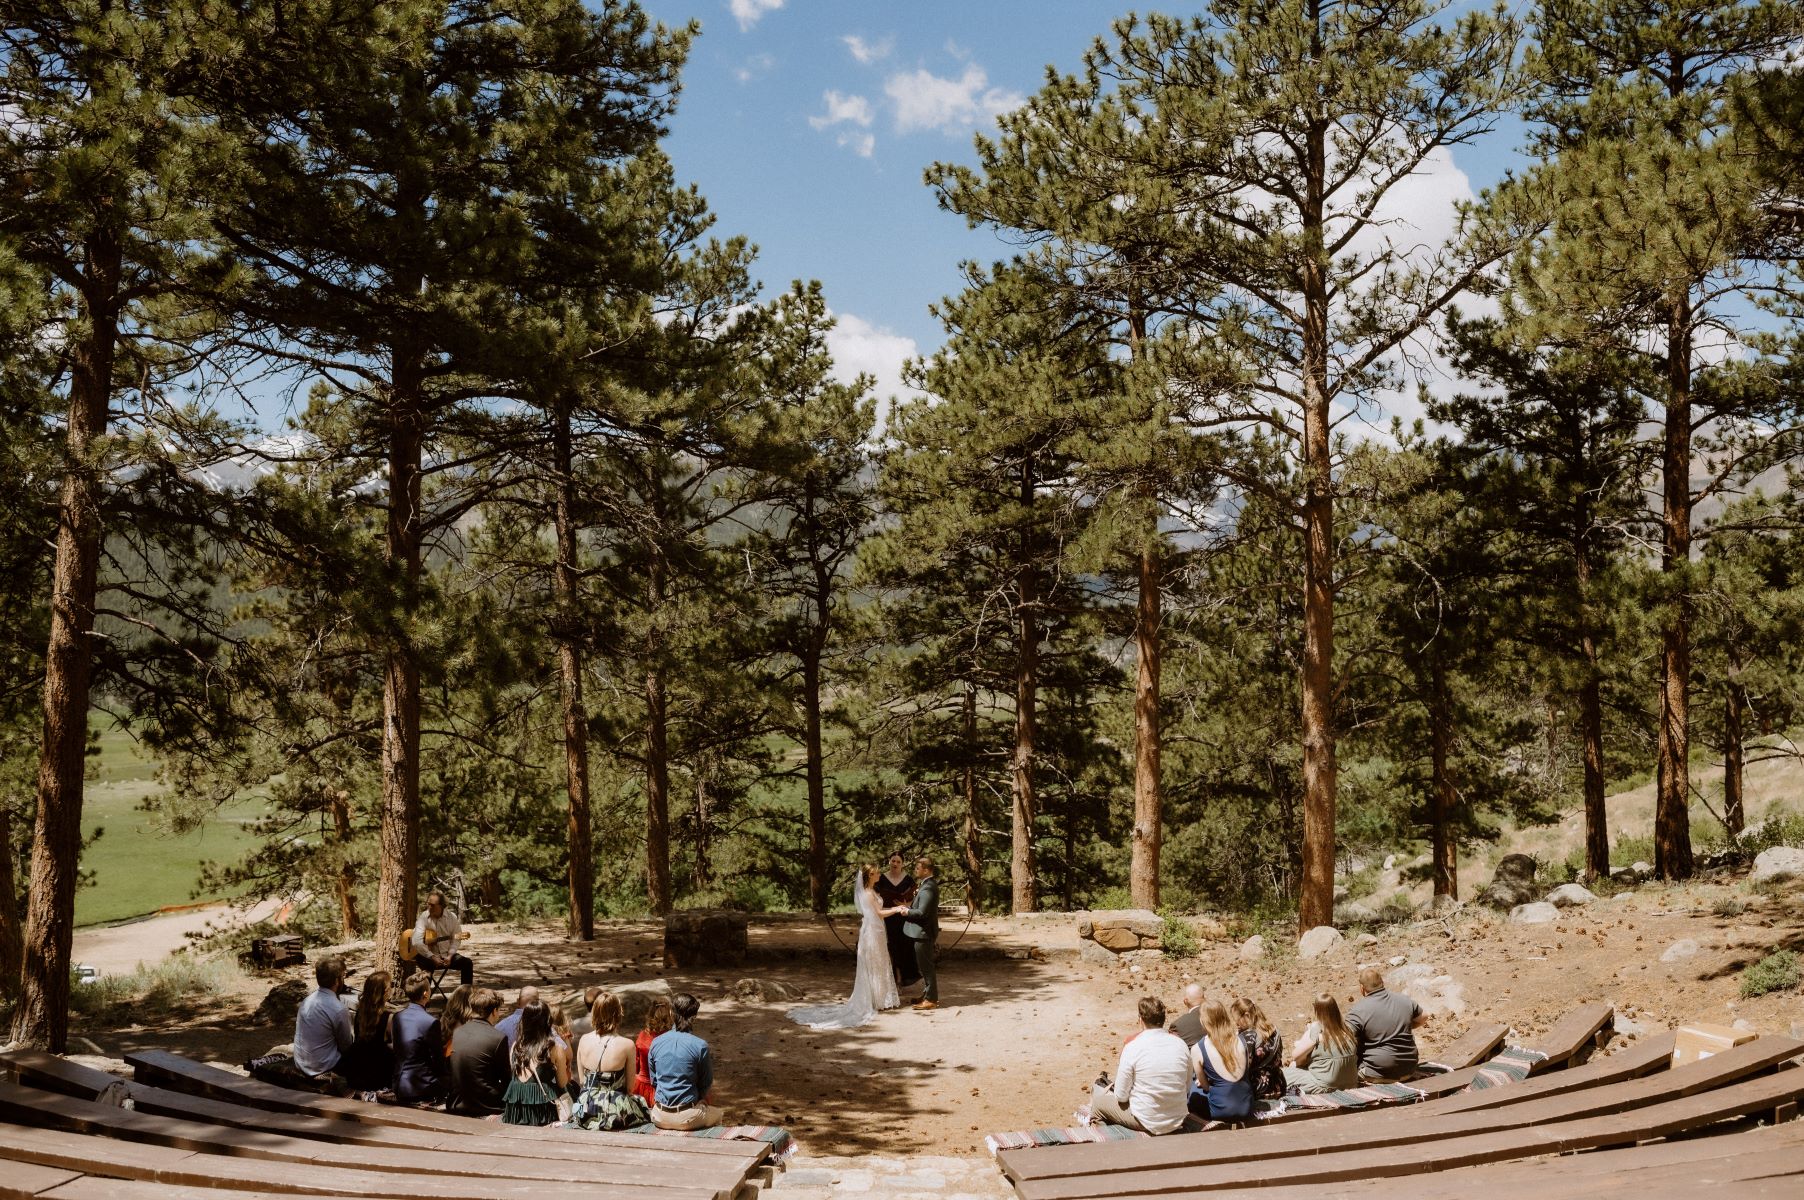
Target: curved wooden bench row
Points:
(50, 1073)
(175, 1073)
(29, 1106)
(1775, 1094)
(1477, 1044)
(1416, 1123)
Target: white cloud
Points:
(749, 12)
(868, 52)
(753, 67)
(924, 100)
(841, 107)
(861, 348)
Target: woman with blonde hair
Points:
(1265, 1049)
(605, 1064)
(1224, 1091)
(1326, 1057)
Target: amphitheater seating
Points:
(63, 1132)
(1477, 1044)
(1609, 1105)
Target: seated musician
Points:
(435, 937)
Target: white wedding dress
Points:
(874, 984)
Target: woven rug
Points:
(1070, 1135)
(1512, 1065)
(781, 1144)
(1359, 1097)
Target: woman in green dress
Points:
(541, 1072)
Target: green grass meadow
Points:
(139, 866)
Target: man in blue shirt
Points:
(682, 1072)
(322, 1026)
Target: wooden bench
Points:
(30, 1106)
(1409, 1126)
(1775, 1093)
(1478, 1044)
(175, 1073)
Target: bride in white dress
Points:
(874, 984)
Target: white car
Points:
(84, 974)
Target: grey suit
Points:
(922, 926)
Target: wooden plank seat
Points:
(50, 1073)
(1410, 1125)
(111, 1158)
(1477, 1044)
(1771, 1151)
(1768, 1094)
(175, 1073)
(30, 1106)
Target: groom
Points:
(922, 925)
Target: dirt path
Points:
(117, 949)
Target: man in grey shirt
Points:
(322, 1025)
(1384, 1025)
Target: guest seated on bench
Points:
(540, 1070)
(1152, 1078)
(1265, 1049)
(682, 1072)
(479, 1059)
(604, 1063)
(510, 1024)
(1326, 1057)
(657, 1022)
(584, 1023)
(419, 1057)
(1384, 1025)
(1224, 1090)
(368, 1065)
(455, 1015)
(1189, 1023)
(322, 1025)
(440, 950)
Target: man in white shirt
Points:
(1152, 1081)
(441, 950)
(322, 1025)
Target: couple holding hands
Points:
(900, 921)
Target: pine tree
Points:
(1653, 226)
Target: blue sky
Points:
(808, 123)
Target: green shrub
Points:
(1362, 883)
(1728, 906)
(1627, 851)
(177, 982)
(1777, 972)
(1177, 935)
(1111, 898)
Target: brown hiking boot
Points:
(927, 1005)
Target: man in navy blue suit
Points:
(922, 927)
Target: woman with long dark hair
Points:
(368, 1065)
(541, 1072)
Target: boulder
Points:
(1438, 995)
(1366, 939)
(1513, 883)
(1645, 870)
(282, 1002)
(1120, 940)
(1088, 951)
(1679, 951)
(1138, 921)
(1778, 862)
(1407, 974)
(1568, 895)
(636, 998)
(766, 990)
(1253, 949)
(1537, 913)
(1318, 941)
(704, 938)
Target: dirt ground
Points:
(1026, 1023)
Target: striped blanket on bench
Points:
(1512, 1065)
(781, 1144)
(1359, 1097)
(1069, 1135)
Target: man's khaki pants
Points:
(1104, 1108)
(699, 1116)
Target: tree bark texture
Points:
(567, 584)
(397, 889)
(1143, 869)
(12, 942)
(1024, 886)
(1672, 822)
(1591, 731)
(968, 789)
(41, 1019)
(338, 802)
(1315, 902)
(1442, 795)
(1735, 707)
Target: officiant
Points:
(896, 889)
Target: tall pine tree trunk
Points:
(1735, 707)
(703, 872)
(1315, 902)
(1442, 797)
(968, 790)
(818, 883)
(338, 801)
(12, 943)
(41, 1019)
(397, 889)
(1025, 888)
(1143, 869)
(579, 830)
(657, 753)
(1591, 729)
(1672, 822)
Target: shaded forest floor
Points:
(1026, 1023)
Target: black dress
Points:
(901, 946)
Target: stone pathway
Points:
(917, 1177)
